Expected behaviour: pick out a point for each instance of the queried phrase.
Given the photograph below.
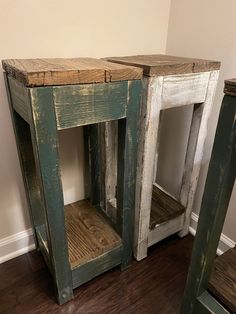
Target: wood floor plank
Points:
(142, 288)
(17, 273)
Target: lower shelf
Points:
(88, 233)
(164, 207)
(223, 279)
(165, 229)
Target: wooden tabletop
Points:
(230, 87)
(158, 65)
(43, 72)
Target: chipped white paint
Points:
(176, 90)
(165, 229)
(193, 163)
(109, 158)
(162, 93)
(151, 106)
(182, 90)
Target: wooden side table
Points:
(169, 82)
(216, 197)
(77, 241)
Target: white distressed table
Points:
(168, 82)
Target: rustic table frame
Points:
(38, 113)
(160, 93)
(217, 193)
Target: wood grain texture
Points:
(59, 71)
(88, 234)
(161, 65)
(163, 208)
(230, 87)
(223, 279)
(77, 105)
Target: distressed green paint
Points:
(43, 245)
(19, 98)
(82, 105)
(45, 139)
(95, 171)
(216, 197)
(96, 267)
(89, 103)
(87, 177)
(29, 170)
(25, 154)
(126, 172)
(121, 177)
(206, 303)
(108, 219)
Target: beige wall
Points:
(206, 29)
(72, 28)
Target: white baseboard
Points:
(16, 245)
(225, 242)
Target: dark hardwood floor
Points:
(154, 285)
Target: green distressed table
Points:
(219, 184)
(77, 241)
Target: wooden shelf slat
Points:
(223, 279)
(88, 233)
(164, 207)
